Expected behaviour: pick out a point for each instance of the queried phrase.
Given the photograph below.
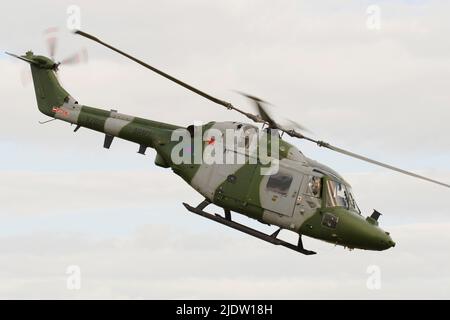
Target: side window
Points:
(329, 220)
(314, 187)
(279, 183)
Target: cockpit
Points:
(340, 195)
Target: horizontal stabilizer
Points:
(20, 57)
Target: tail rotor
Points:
(51, 35)
(51, 40)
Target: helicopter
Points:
(297, 194)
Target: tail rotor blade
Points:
(50, 33)
(51, 44)
(76, 58)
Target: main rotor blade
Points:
(251, 97)
(360, 157)
(253, 117)
(263, 115)
(297, 125)
(226, 104)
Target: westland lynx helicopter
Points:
(303, 195)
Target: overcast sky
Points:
(384, 93)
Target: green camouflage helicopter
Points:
(300, 195)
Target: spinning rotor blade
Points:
(297, 125)
(272, 124)
(267, 119)
(51, 41)
(226, 104)
(261, 111)
(384, 165)
(76, 58)
(293, 133)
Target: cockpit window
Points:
(279, 183)
(340, 195)
(351, 200)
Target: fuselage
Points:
(301, 195)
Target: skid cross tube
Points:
(250, 231)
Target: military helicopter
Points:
(302, 195)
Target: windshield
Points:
(340, 195)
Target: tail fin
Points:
(49, 92)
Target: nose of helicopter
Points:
(368, 235)
(377, 238)
(386, 241)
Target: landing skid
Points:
(255, 233)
